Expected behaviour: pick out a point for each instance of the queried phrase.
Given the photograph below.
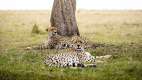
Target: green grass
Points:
(119, 32)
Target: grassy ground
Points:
(120, 32)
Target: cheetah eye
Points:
(64, 45)
(71, 45)
(68, 46)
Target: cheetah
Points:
(76, 57)
(56, 41)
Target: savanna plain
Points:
(116, 33)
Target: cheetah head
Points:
(77, 43)
(52, 31)
(80, 41)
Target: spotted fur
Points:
(70, 59)
(75, 56)
(56, 41)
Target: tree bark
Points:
(63, 17)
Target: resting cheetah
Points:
(56, 41)
(77, 57)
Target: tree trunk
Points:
(63, 17)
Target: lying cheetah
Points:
(76, 57)
(56, 41)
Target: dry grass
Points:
(111, 26)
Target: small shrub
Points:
(35, 29)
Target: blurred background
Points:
(81, 4)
